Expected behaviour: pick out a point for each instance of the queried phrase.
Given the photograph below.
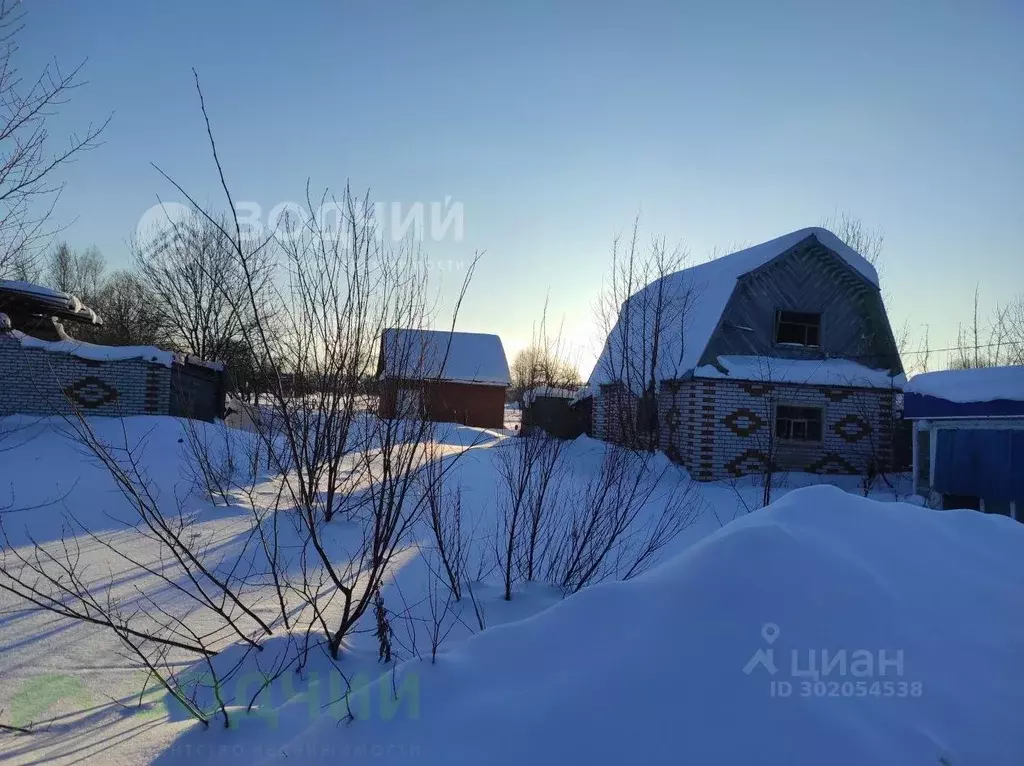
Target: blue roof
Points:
(916, 406)
(985, 392)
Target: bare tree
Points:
(544, 362)
(29, 159)
(199, 288)
(643, 313)
(1012, 323)
(852, 231)
(528, 468)
(615, 524)
(544, 496)
(81, 274)
(130, 313)
(311, 309)
(448, 526)
(538, 366)
(761, 468)
(997, 341)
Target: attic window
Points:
(798, 328)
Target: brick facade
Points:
(615, 413)
(37, 381)
(721, 429)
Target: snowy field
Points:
(828, 628)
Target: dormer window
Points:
(797, 328)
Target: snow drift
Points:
(655, 670)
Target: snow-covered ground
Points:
(916, 613)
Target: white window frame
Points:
(793, 440)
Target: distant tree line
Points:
(182, 290)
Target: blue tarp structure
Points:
(985, 463)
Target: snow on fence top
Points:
(460, 357)
(91, 351)
(987, 384)
(693, 300)
(548, 391)
(815, 372)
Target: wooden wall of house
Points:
(471, 404)
(813, 279)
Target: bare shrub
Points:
(620, 518)
(643, 313)
(445, 517)
(310, 311)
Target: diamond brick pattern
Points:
(837, 394)
(749, 461)
(41, 382)
(91, 392)
(716, 438)
(852, 428)
(755, 389)
(743, 422)
(832, 463)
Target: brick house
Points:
(452, 377)
(780, 356)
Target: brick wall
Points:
(720, 429)
(43, 382)
(618, 416)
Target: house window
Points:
(798, 328)
(798, 423)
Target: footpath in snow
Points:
(827, 628)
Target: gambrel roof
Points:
(704, 291)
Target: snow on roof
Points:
(463, 357)
(987, 384)
(702, 292)
(583, 393)
(19, 286)
(50, 298)
(83, 350)
(548, 391)
(816, 372)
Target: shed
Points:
(552, 410)
(969, 438)
(444, 376)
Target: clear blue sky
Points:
(555, 123)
